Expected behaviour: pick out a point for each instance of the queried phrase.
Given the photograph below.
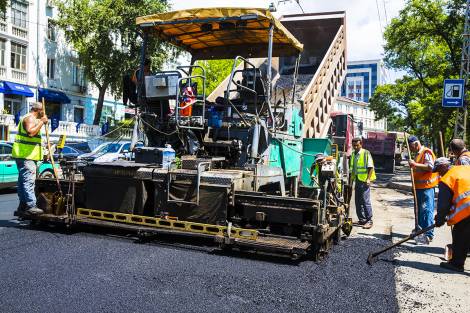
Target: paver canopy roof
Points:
(217, 33)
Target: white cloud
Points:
(364, 28)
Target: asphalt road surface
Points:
(48, 270)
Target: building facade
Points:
(36, 62)
(362, 78)
(361, 113)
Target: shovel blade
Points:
(371, 259)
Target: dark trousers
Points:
(461, 241)
(362, 201)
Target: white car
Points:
(109, 152)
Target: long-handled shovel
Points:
(51, 157)
(417, 228)
(371, 259)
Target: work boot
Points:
(452, 267)
(368, 225)
(35, 211)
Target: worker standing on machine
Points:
(361, 167)
(458, 149)
(27, 150)
(453, 204)
(425, 181)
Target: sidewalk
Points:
(421, 284)
(401, 179)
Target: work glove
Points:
(439, 221)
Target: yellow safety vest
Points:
(25, 146)
(361, 166)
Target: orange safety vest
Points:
(466, 153)
(458, 180)
(424, 179)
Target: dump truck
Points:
(250, 166)
(385, 150)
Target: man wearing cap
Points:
(453, 205)
(27, 150)
(361, 167)
(425, 181)
(458, 149)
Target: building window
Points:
(78, 114)
(2, 52)
(18, 56)
(12, 104)
(50, 68)
(19, 13)
(77, 75)
(51, 30)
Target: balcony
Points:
(19, 75)
(19, 32)
(3, 72)
(83, 133)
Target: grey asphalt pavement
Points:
(46, 270)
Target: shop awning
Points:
(10, 88)
(2, 90)
(53, 95)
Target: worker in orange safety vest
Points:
(453, 205)
(425, 181)
(458, 149)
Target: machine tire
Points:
(47, 174)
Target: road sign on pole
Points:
(453, 93)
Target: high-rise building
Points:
(36, 62)
(362, 78)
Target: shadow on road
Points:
(433, 268)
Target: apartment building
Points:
(36, 62)
(361, 113)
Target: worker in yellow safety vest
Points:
(453, 205)
(425, 181)
(361, 167)
(27, 150)
(458, 149)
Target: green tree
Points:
(3, 5)
(425, 40)
(107, 40)
(216, 72)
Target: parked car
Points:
(9, 170)
(109, 152)
(80, 146)
(69, 152)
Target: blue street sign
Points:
(453, 93)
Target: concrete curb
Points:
(399, 186)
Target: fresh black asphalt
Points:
(48, 270)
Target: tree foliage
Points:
(425, 41)
(3, 5)
(216, 72)
(107, 40)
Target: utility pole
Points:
(461, 120)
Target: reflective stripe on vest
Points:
(458, 180)
(361, 166)
(425, 179)
(26, 147)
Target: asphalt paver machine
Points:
(235, 173)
